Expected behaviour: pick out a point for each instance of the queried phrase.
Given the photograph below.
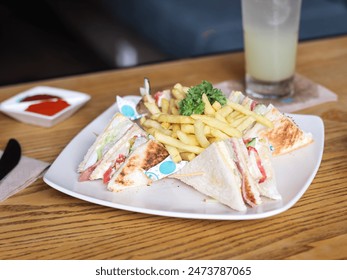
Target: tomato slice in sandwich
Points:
(259, 164)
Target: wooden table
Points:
(42, 223)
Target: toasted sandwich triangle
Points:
(215, 174)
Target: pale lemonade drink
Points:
(270, 58)
(270, 30)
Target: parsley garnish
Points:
(193, 104)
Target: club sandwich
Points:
(132, 172)
(284, 137)
(261, 168)
(222, 172)
(111, 148)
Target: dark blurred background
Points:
(54, 38)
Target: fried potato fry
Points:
(156, 125)
(152, 108)
(238, 121)
(224, 127)
(220, 117)
(216, 105)
(233, 114)
(178, 86)
(187, 156)
(142, 120)
(175, 119)
(189, 139)
(200, 134)
(166, 125)
(219, 134)
(174, 153)
(175, 127)
(150, 130)
(167, 140)
(178, 93)
(189, 129)
(246, 123)
(213, 139)
(155, 116)
(173, 107)
(181, 88)
(208, 110)
(225, 111)
(165, 106)
(261, 119)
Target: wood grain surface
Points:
(42, 223)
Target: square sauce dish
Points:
(44, 106)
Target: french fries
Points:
(168, 140)
(172, 107)
(216, 105)
(208, 107)
(185, 137)
(178, 91)
(175, 119)
(174, 153)
(200, 135)
(165, 105)
(213, 122)
(261, 119)
(219, 134)
(156, 125)
(189, 128)
(187, 156)
(152, 108)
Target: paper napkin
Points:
(27, 171)
(307, 94)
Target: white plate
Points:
(169, 197)
(16, 109)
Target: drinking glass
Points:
(270, 29)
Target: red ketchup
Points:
(49, 107)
